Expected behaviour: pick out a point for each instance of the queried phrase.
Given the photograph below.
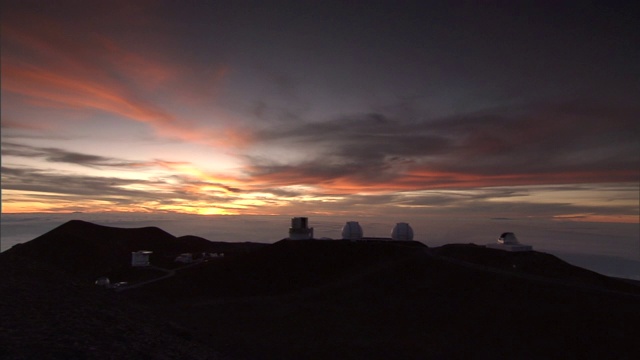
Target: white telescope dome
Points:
(402, 231)
(509, 242)
(508, 238)
(352, 231)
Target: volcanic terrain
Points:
(311, 299)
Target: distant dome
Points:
(508, 238)
(402, 231)
(103, 281)
(352, 231)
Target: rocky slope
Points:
(45, 314)
(308, 299)
(88, 251)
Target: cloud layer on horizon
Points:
(538, 144)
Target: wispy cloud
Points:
(70, 157)
(577, 142)
(96, 72)
(111, 193)
(284, 128)
(74, 192)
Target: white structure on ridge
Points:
(402, 231)
(509, 242)
(352, 231)
(300, 229)
(140, 258)
(186, 258)
(103, 281)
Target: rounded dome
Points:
(352, 231)
(402, 231)
(103, 281)
(508, 238)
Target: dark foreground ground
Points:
(306, 300)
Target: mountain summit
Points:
(312, 299)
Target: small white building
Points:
(402, 232)
(186, 258)
(140, 258)
(103, 281)
(352, 231)
(300, 229)
(509, 242)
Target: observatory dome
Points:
(402, 231)
(103, 281)
(352, 231)
(508, 242)
(508, 238)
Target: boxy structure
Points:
(300, 229)
(352, 231)
(509, 242)
(140, 258)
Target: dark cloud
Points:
(109, 189)
(75, 190)
(474, 204)
(33, 180)
(543, 140)
(190, 181)
(64, 156)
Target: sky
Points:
(504, 110)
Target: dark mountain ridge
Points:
(88, 250)
(352, 300)
(46, 314)
(320, 299)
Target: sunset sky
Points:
(499, 109)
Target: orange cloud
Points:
(96, 73)
(423, 179)
(469, 180)
(40, 83)
(626, 219)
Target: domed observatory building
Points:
(402, 232)
(103, 281)
(509, 242)
(300, 229)
(352, 231)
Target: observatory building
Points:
(509, 242)
(402, 232)
(352, 231)
(103, 281)
(186, 258)
(300, 229)
(140, 258)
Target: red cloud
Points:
(96, 72)
(426, 179)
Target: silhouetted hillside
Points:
(88, 250)
(353, 300)
(529, 263)
(46, 315)
(318, 300)
(285, 266)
